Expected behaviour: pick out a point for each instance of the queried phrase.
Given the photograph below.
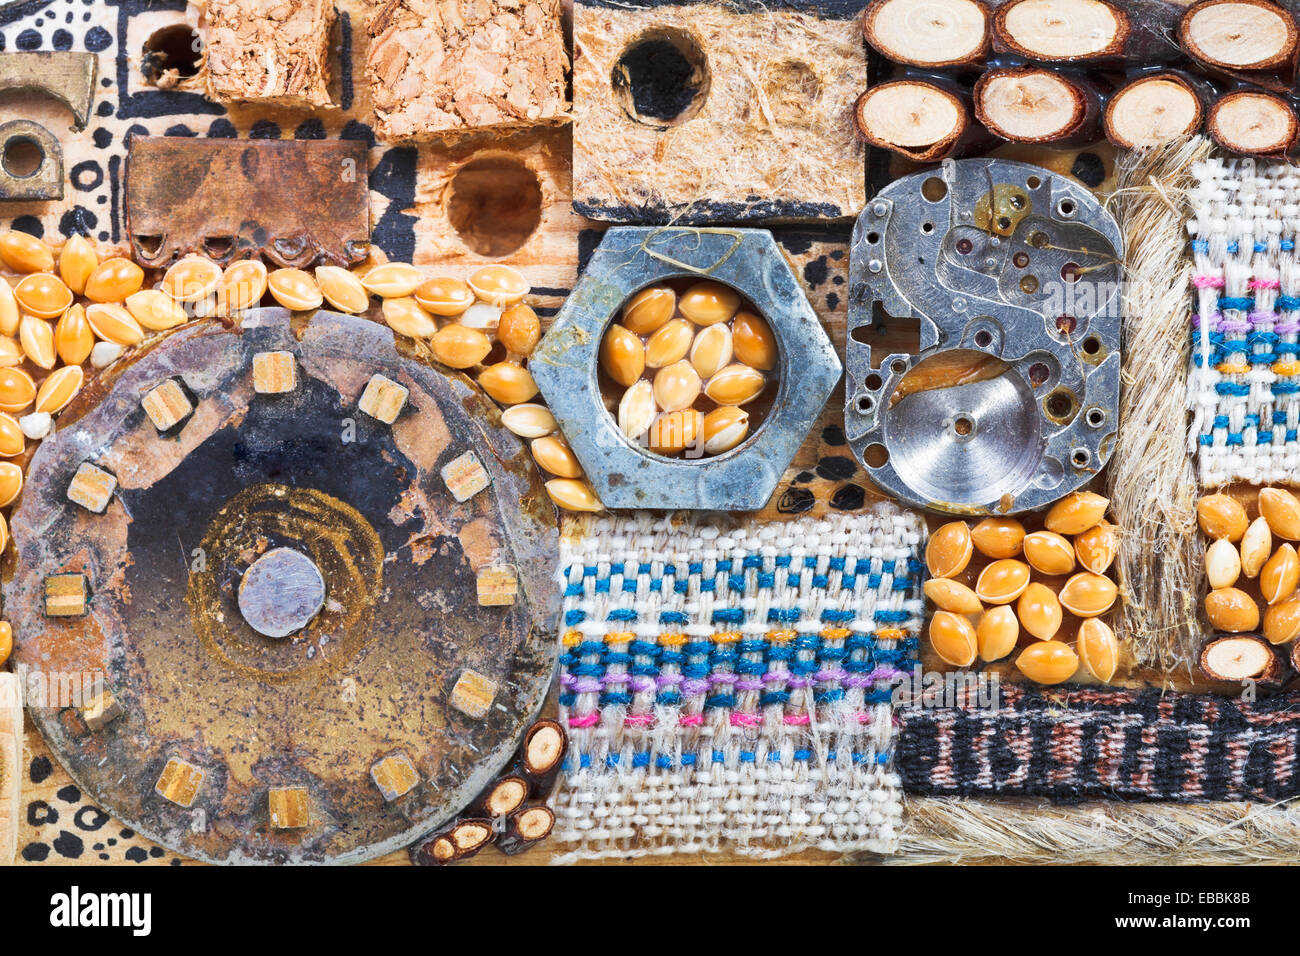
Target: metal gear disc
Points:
(330, 731)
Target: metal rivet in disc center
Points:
(281, 592)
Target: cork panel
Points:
(761, 124)
(458, 66)
(274, 52)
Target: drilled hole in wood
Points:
(661, 78)
(495, 205)
(22, 157)
(175, 48)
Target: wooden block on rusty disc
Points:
(101, 710)
(274, 373)
(394, 775)
(65, 595)
(167, 405)
(289, 807)
(180, 782)
(271, 55)
(465, 476)
(473, 694)
(435, 69)
(698, 112)
(497, 587)
(92, 488)
(383, 399)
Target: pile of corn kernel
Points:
(1243, 550)
(1076, 535)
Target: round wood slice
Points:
(920, 120)
(1238, 657)
(1153, 110)
(1062, 30)
(1030, 105)
(1254, 123)
(1239, 34)
(928, 32)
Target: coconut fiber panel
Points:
(1073, 744)
(704, 112)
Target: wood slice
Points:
(1061, 30)
(1035, 105)
(930, 33)
(1239, 35)
(1254, 123)
(1153, 110)
(1238, 657)
(920, 120)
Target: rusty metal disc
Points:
(341, 741)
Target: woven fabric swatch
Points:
(1073, 745)
(727, 686)
(1245, 381)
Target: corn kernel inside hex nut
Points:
(383, 399)
(274, 373)
(473, 694)
(394, 775)
(92, 488)
(465, 476)
(180, 782)
(167, 405)
(688, 368)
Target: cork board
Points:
(698, 112)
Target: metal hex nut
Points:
(564, 366)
